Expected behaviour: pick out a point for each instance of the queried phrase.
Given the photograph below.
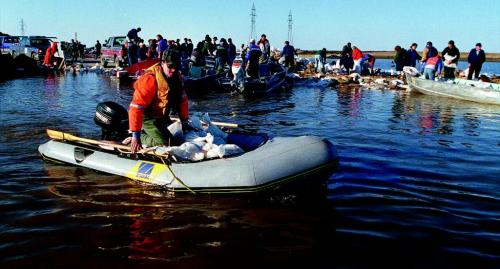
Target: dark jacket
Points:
(476, 58)
(400, 57)
(452, 52)
(412, 57)
(288, 51)
(132, 35)
(346, 51)
(222, 53)
(232, 50)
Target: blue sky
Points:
(372, 25)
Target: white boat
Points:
(476, 91)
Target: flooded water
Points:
(418, 186)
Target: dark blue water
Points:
(418, 186)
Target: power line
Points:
(290, 25)
(253, 34)
(22, 25)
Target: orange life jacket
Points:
(151, 97)
(158, 107)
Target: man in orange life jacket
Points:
(158, 91)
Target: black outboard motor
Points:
(113, 119)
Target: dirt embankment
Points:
(490, 57)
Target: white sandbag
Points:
(206, 139)
(211, 150)
(229, 150)
(412, 71)
(355, 77)
(397, 82)
(175, 130)
(187, 152)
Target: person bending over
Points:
(156, 92)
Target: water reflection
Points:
(471, 124)
(416, 170)
(439, 115)
(349, 100)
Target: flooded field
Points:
(418, 186)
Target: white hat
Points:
(252, 40)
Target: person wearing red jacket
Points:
(156, 92)
(49, 55)
(357, 56)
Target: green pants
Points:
(155, 132)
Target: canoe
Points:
(476, 91)
(267, 164)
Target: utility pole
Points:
(253, 34)
(21, 23)
(290, 24)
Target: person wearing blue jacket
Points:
(412, 55)
(252, 59)
(428, 52)
(289, 53)
(476, 59)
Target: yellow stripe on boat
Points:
(146, 171)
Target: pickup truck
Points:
(10, 45)
(111, 51)
(36, 46)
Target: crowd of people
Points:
(191, 58)
(430, 63)
(75, 49)
(159, 90)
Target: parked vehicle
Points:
(36, 46)
(10, 45)
(112, 51)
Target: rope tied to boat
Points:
(176, 178)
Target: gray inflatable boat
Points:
(271, 163)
